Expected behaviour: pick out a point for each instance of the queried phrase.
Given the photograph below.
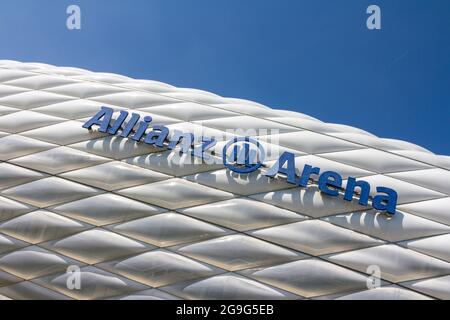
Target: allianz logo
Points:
(247, 155)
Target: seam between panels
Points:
(209, 105)
(62, 120)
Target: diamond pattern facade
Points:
(140, 224)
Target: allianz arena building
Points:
(115, 188)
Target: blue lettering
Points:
(105, 113)
(325, 183)
(350, 190)
(142, 128)
(306, 174)
(157, 136)
(118, 123)
(130, 125)
(386, 202)
(278, 167)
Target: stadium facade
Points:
(116, 188)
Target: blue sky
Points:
(316, 57)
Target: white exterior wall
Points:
(139, 226)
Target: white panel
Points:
(26, 120)
(309, 278)
(435, 287)
(63, 133)
(94, 284)
(436, 179)
(238, 183)
(237, 252)
(243, 214)
(375, 160)
(407, 192)
(314, 143)
(96, 245)
(433, 246)
(385, 293)
(14, 175)
(39, 226)
(49, 191)
(255, 126)
(175, 193)
(106, 209)
(58, 160)
(188, 111)
(32, 99)
(434, 209)
(396, 264)
(158, 268)
(227, 287)
(33, 261)
(15, 146)
(168, 229)
(114, 175)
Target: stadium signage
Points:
(247, 156)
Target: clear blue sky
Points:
(315, 56)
